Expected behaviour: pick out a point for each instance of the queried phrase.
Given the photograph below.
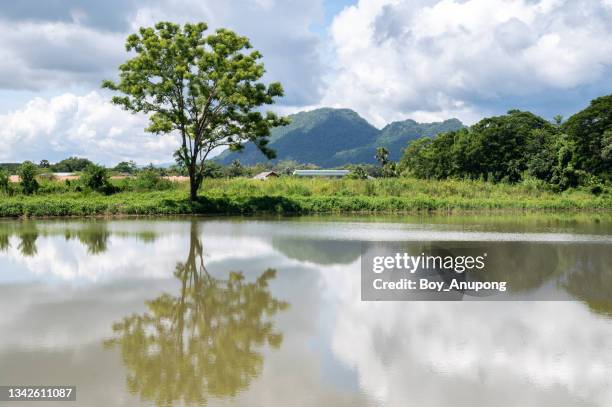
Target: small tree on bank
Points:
(28, 172)
(205, 88)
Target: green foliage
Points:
(27, 173)
(71, 164)
(11, 168)
(4, 181)
(213, 169)
(44, 164)
(358, 172)
(149, 179)
(205, 88)
(589, 133)
(382, 156)
(96, 178)
(520, 144)
(296, 195)
(235, 169)
(127, 167)
(606, 147)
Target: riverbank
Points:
(288, 195)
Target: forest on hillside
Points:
(521, 145)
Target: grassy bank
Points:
(301, 196)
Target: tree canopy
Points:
(520, 144)
(206, 89)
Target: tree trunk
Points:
(193, 189)
(193, 183)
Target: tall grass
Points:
(300, 196)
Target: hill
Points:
(332, 137)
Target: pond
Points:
(268, 311)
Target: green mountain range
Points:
(333, 137)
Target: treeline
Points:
(519, 146)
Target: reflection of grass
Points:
(290, 195)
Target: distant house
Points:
(265, 175)
(320, 173)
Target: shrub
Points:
(27, 173)
(358, 172)
(149, 180)
(4, 181)
(96, 178)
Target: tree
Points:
(388, 168)
(27, 173)
(500, 144)
(44, 164)
(382, 156)
(417, 158)
(358, 172)
(587, 132)
(208, 337)
(235, 169)
(205, 88)
(4, 181)
(96, 178)
(606, 147)
(71, 164)
(128, 167)
(213, 169)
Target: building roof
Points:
(320, 173)
(265, 174)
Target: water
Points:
(267, 312)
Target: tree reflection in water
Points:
(203, 342)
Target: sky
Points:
(388, 60)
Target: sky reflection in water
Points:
(267, 312)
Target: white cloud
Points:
(435, 59)
(56, 54)
(68, 51)
(84, 44)
(471, 352)
(281, 30)
(87, 126)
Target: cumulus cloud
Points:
(67, 48)
(386, 59)
(42, 55)
(435, 59)
(86, 126)
(60, 44)
(471, 352)
(281, 30)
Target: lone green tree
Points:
(28, 172)
(206, 89)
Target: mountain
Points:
(333, 137)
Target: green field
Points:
(289, 195)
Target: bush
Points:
(358, 172)
(150, 180)
(96, 178)
(4, 181)
(27, 173)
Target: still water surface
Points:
(248, 311)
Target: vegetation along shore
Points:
(300, 196)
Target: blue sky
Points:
(388, 60)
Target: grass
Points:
(290, 195)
